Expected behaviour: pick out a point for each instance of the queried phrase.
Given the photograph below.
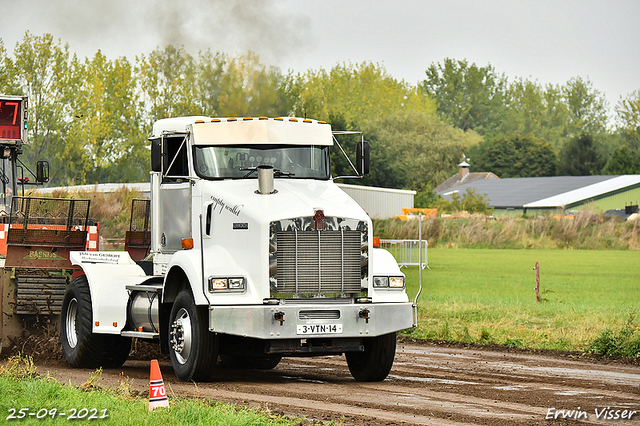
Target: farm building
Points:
(380, 203)
(555, 195)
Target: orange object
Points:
(157, 392)
(376, 241)
(187, 243)
(416, 212)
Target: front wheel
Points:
(193, 349)
(375, 362)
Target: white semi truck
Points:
(255, 254)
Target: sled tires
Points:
(81, 347)
(375, 362)
(193, 349)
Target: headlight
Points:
(226, 284)
(396, 282)
(381, 282)
(236, 283)
(388, 282)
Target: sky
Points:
(549, 41)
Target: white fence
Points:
(407, 252)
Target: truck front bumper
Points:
(291, 321)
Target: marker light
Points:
(187, 243)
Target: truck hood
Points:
(293, 198)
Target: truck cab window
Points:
(235, 161)
(176, 159)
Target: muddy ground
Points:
(430, 384)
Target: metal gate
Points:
(407, 252)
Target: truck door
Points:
(175, 191)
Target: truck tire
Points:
(250, 363)
(193, 349)
(80, 346)
(375, 362)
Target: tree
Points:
(537, 111)
(108, 123)
(622, 162)
(8, 79)
(470, 201)
(420, 149)
(44, 71)
(516, 156)
(249, 88)
(628, 120)
(166, 78)
(581, 156)
(587, 108)
(359, 94)
(467, 96)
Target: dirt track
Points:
(429, 384)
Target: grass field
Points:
(30, 399)
(488, 296)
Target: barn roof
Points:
(540, 192)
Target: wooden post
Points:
(537, 269)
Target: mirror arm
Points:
(25, 166)
(358, 175)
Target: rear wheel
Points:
(193, 349)
(375, 362)
(80, 346)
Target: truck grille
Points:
(319, 262)
(309, 263)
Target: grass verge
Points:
(22, 388)
(590, 299)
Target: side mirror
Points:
(363, 157)
(42, 172)
(156, 155)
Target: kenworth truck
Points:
(255, 254)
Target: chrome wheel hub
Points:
(70, 323)
(181, 336)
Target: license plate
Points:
(320, 329)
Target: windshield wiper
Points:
(276, 172)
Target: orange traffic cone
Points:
(157, 393)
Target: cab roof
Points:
(248, 130)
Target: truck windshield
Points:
(238, 161)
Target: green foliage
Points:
(19, 367)
(587, 107)
(470, 97)
(420, 149)
(628, 123)
(90, 118)
(357, 94)
(624, 341)
(586, 231)
(119, 404)
(537, 111)
(623, 161)
(515, 156)
(487, 296)
(581, 156)
(470, 202)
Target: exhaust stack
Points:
(265, 180)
